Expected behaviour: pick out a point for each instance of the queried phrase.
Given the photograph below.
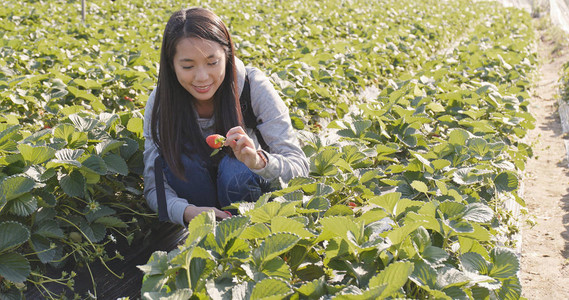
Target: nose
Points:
(201, 74)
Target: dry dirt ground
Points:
(545, 246)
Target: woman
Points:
(197, 94)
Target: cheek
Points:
(222, 74)
(181, 76)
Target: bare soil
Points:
(545, 245)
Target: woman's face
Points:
(200, 67)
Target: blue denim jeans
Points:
(216, 186)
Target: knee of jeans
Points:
(239, 187)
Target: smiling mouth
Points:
(202, 89)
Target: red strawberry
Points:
(215, 141)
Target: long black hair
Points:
(174, 121)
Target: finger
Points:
(244, 141)
(220, 214)
(233, 137)
(235, 130)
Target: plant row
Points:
(405, 194)
(411, 139)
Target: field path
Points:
(545, 246)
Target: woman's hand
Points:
(244, 148)
(192, 211)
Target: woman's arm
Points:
(286, 159)
(174, 204)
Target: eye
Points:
(213, 63)
(187, 68)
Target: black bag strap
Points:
(248, 114)
(160, 190)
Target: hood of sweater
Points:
(241, 72)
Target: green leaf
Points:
(101, 211)
(323, 163)
(266, 212)
(394, 276)
(506, 181)
(14, 267)
(63, 131)
(511, 289)
(83, 124)
(338, 226)
(256, 231)
(464, 176)
(450, 276)
(199, 227)
(69, 134)
(108, 145)
(116, 164)
(95, 164)
(277, 267)
(230, 228)
(425, 162)
(505, 263)
(420, 186)
(313, 289)
(179, 294)
(308, 271)
(36, 155)
(200, 268)
(12, 234)
(111, 221)
(323, 190)
(283, 224)
(135, 125)
(13, 187)
(387, 201)
(68, 157)
(475, 263)
(23, 206)
(434, 254)
(424, 275)
(460, 226)
(440, 164)
(157, 264)
(8, 138)
(479, 147)
(238, 249)
(129, 148)
(48, 228)
(94, 232)
(296, 122)
(478, 212)
(339, 210)
(270, 288)
(458, 137)
(73, 184)
(81, 94)
(317, 204)
(452, 210)
(421, 238)
(39, 173)
(276, 244)
(43, 248)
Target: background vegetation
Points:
(411, 113)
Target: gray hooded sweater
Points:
(286, 160)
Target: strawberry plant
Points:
(411, 112)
